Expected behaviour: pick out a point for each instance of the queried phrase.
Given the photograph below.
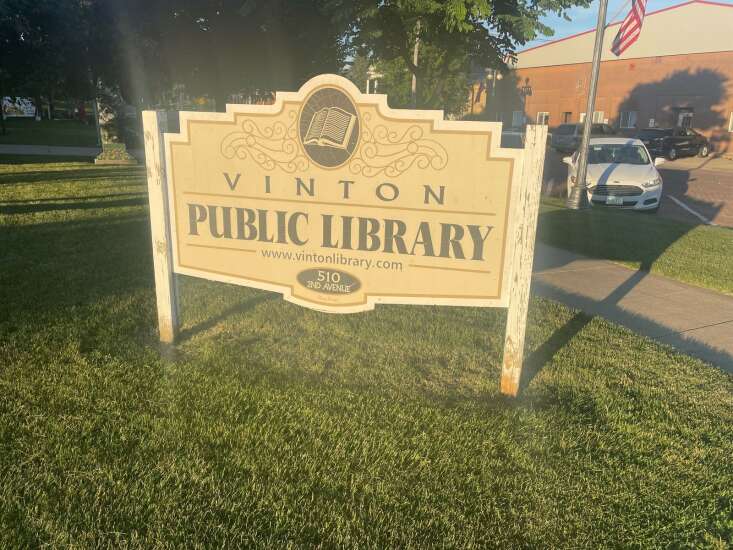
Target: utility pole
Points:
(414, 62)
(578, 197)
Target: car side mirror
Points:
(658, 161)
(568, 160)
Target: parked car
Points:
(512, 139)
(621, 173)
(566, 137)
(674, 142)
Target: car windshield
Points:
(565, 129)
(652, 134)
(617, 153)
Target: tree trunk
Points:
(51, 108)
(95, 107)
(415, 52)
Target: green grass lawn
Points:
(271, 425)
(21, 131)
(697, 254)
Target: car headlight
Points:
(652, 183)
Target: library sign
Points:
(336, 201)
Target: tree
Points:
(454, 35)
(220, 47)
(40, 50)
(214, 47)
(230, 46)
(440, 88)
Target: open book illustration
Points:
(331, 127)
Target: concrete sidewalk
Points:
(696, 321)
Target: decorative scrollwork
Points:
(392, 152)
(269, 146)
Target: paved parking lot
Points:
(696, 190)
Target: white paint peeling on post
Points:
(527, 208)
(154, 124)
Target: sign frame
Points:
(519, 238)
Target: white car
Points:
(621, 174)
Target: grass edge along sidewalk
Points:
(699, 255)
(273, 425)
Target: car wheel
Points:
(672, 154)
(704, 150)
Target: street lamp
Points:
(578, 198)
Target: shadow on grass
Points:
(80, 205)
(77, 198)
(534, 363)
(78, 175)
(46, 266)
(633, 237)
(236, 309)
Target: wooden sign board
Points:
(338, 202)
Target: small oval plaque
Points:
(329, 281)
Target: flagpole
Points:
(578, 198)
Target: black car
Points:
(566, 137)
(674, 142)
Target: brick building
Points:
(679, 72)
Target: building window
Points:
(628, 119)
(567, 116)
(517, 119)
(597, 117)
(543, 118)
(730, 122)
(684, 118)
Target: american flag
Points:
(630, 29)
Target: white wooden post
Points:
(522, 250)
(154, 124)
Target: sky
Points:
(583, 19)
